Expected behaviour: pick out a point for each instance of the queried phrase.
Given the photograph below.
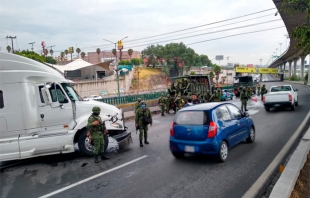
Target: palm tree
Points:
(78, 51)
(62, 54)
(51, 52)
(217, 71)
(114, 52)
(45, 52)
(98, 52)
(130, 51)
(83, 55)
(66, 52)
(8, 48)
(211, 74)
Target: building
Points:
(94, 58)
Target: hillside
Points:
(149, 79)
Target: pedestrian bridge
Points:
(258, 70)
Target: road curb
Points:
(286, 183)
(296, 83)
(258, 188)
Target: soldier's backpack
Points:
(146, 119)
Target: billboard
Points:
(219, 57)
(120, 45)
(250, 65)
(257, 70)
(71, 50)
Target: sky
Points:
(85, 24)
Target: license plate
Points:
(189, 149)
(276, 105)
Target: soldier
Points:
(207, 96)
(168, 103)
(217, 95)
(244, 96)
(96, 127)
(195, 99)
(137, 105)
(142, 120)
(178, 102)
(258, 89)
(263, 91)
(162, 104)
(172, 89)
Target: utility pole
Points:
(11, 37)
(32, 45)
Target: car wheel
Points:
(223, 152)
(293, 106)
(296, 104)
(178, 154)
(85, 145)
(251, 137)
(267, 108)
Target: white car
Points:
(93, 97)
(281, 96)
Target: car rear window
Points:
(192, 118)
(280, 88)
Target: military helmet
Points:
(139, 99)
(161, 94)
(96, 109)
(142, 102)
(208, 91)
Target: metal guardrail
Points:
(131, 99)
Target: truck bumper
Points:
(124, 139)
(277, 104)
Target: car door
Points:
(242, 126)
(227, 125)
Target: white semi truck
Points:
(42, 114)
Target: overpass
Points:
(292, 54)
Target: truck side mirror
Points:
(46, 95)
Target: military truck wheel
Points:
(85, 145)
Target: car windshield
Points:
(280, 88)
(73, 95)
(191, 118)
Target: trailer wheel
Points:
(85, 145)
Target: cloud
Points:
(86, 23)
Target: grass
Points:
(146, 72)
(302, 186)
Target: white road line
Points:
(92, 177)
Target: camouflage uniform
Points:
(178, 102)
(137, 105)
(96, 133)
(162, 104)
(219, 95)
(244, 97)
(258, 90)
(142, 112)
(263, 91)
(207, 96)
(168, 103)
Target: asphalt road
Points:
(159, 174)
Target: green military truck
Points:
(244, 81)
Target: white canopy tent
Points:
(75, 65)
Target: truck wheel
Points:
(296, 104)
(267, 108)
(84, 144)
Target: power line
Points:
(204, 25)
(187, 28)
(235, 35)
(217, 31)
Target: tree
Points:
(62, 55)
(130, 52)
(98, 52)
(78, 51)
(66, 52)
(83, 55)
(211, 74)
(217, 71)
(114, 52)
(8, 48)
(124, 62)
(300, 33)
(51, 60)
(204, 59)
(135, 61)
(32, 55)
(51, 52)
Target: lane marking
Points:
(92, 177)
(258, 185)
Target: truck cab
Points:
(42, 114)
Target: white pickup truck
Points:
(281, 96)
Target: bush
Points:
(192, 73)
(294, 78)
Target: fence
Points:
(131, 99)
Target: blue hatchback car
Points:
(210, 129)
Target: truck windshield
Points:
(71, 92)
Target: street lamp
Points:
(116, 66)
